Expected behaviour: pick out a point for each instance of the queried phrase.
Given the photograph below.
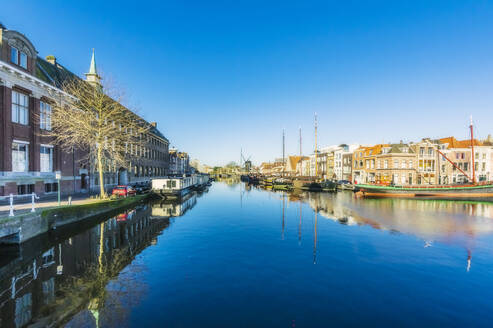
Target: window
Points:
(51, 187)
(430, 151)
(410, 164)
(386, 164)
(465, 166)
(48, 290)
(403, 164)
(20, 108)
(23, 60)
(421, 151)
(14, 55)
(396, 163)
(25, 189)
(19, 157)
(46, 159)
(18, 57)
(45, 116)
(23, 310)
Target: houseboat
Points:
(179, 186)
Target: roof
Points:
(57, 75)
(54, 74)
(454, 143)
(374, 150)
(396, 149)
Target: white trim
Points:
(8, 66)
(48, 146)
(21, 142)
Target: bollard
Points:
(11, 205)
(33, 195)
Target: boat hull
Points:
(474, 193)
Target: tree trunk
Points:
(100, 169)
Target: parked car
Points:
(124, 191)
(141, 187)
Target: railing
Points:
(11, 201)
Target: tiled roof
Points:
(454, 143)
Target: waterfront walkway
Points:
(24, 205)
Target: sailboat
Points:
(310, 183)
(473, 191)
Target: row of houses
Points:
(428, 161)
(29, 161)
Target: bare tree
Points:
(91, 118)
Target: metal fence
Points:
(11, 198)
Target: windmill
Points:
(245, 163)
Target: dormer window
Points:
(18, 57)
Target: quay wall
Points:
(24, 227)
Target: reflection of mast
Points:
(315, 241)
(469, 256)
(299, 227)
(282, 232)
(315, 236)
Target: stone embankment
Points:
(18, 229)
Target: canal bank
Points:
(18, 229)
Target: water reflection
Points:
(55, 277)
(432, 221)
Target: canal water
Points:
(238, 256)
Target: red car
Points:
(124, 191)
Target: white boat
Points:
(177, 187)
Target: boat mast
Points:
(283, 152)
(300, 143)
(316, 148)
(472, 153)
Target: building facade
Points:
(29, 85)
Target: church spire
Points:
(92, 76)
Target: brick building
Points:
(29, 85)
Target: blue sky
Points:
(218, 76)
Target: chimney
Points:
(154, 124)
(51, 59)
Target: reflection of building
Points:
(37, 280)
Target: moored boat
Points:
(472, 192)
